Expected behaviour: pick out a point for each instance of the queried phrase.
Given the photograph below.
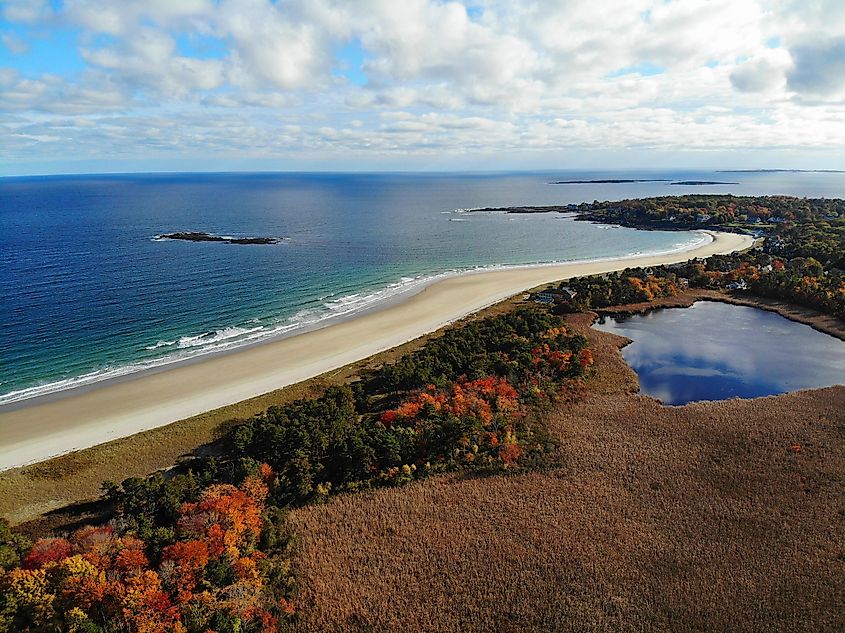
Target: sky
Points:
(304, 85)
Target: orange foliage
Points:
(585, 358)
(481, 399)
(227, 516)
(266, 473)
(98, 574)
(509, 453)
(543, 357)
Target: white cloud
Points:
(148, 59)
(502, 77)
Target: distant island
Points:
(780, 171)
(606, 182)
(702, 182)
(195, 236)
(636, 180)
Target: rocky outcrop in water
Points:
(194, 236)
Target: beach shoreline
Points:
(376, 299)
(55, 424)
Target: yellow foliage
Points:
(28, 590)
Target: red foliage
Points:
(510, 453)
(47, 550)
(481, 399)
(190, 558)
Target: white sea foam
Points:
(160, 344)
(330, 308)
(217, 336)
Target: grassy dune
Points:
(717, 516)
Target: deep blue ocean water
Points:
(86, 293)
(716, 351)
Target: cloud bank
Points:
(303, 81)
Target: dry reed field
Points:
(710, 517)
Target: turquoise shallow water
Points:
(86, 293)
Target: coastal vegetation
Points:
(801, 260)
(205, 549)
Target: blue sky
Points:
(97, 85)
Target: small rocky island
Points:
(606, 182)
(195, 236)
(703, 182)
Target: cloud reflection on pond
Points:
(715, 351)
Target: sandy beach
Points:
(79, 419)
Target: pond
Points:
(716, 351)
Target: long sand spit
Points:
(48, 427)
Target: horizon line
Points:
(419, 171)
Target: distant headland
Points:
(614, 181)
(622, 181)
(702, 182)
(780, 171)
(195, 236)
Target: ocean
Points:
(87, 293)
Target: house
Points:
(738, 285)
(701, 218)
(767, 268)
(555, 295)
(568, 292)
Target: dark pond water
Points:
(716, 351)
